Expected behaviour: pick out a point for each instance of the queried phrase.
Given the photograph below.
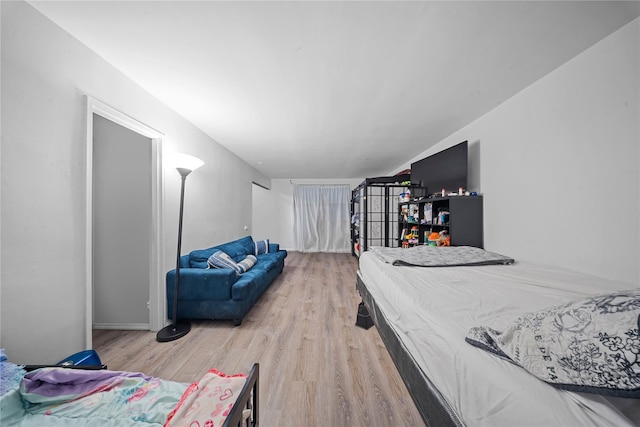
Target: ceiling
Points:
(335, 89)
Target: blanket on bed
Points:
(590, 345)
(75, 397)
(64, 385)
(10, 375)
(209, 401)
(433, 256)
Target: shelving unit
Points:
(459, 216)
(374, 212)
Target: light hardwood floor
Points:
(317, 368)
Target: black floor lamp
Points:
(185, 164)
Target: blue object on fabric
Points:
(82, 358)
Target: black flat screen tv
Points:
(446, 169)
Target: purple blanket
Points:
(70, 384)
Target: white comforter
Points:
(432, 309)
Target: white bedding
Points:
(432, 309)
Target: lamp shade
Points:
(183, 161)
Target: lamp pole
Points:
(178, 328)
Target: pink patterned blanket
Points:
(209, 401)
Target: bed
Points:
(81, 396)
(426, 314)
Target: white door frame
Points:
(157, 291)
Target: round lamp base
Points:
(174, 331)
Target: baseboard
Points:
(125, 326)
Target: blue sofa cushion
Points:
(270, 260)
(261, 247)
(266, 264)
(199, 258)
(199, 284)
(246, 264)
(220, 259)
(237, 250)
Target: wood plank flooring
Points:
(317, 368)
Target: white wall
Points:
(273, 209)
(45, 75)
(559, 164)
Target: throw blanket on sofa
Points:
(433, 256)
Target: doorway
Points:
(124, 223)
(121, 235)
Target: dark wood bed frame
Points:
(433, 408)
(248, 399)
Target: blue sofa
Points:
(222, 293)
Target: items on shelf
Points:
(405, 196)
(443, 217)
(459, 217)
(355, 219)
(410, 237)
(414, 236)
(414, 214)
(428, 213)
(441, 238)
(376, 201)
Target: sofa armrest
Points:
(197, 284)
(184, 262)
(274, 247)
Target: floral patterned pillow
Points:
(590, 345)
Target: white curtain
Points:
(321, 218)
